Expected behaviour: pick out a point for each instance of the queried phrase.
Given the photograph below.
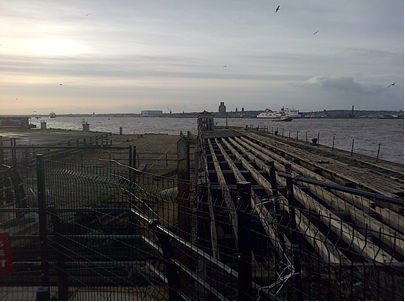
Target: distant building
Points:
(151, 112)
(222, 109)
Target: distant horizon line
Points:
(198, 112)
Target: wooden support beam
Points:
(362, 245)
(357, 240)
(225, 192)
(337, 174)
(238, 175)
(325, 248)
(256, 175)
(265, 217)
(381, 231)
(386, 215)
(391, 218)
(316, 238)
(362, 219)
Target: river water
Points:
(366, 136)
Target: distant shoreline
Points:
(331, 114)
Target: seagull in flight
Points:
(224, 66)
(391, 84)
(316, 32)
(277, 8)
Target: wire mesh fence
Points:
(112, 232)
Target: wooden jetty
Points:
(370, 225)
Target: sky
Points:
(125, 56)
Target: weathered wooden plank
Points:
(387, 216)
(360, 243)
(225, 192)
(366, 161)
(353, 238)
(380, 231)
(391, 218)
(317, 240)
(238, 175)
(312, 234)
(320, 242)
(265, 217)
(350, 174)
(256, 175)
(360, 202)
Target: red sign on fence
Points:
(6, 259)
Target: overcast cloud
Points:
(127, 56)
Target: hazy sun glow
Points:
(53, 47)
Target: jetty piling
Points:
(351, 152)
(86, 126)
(378, 152)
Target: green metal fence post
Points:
(1, 150)
(63, 286)
(43, 292)
(168, 255)
(134, 157)
(183, 185)
(13, 143)
(183, 170)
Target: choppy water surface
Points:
(364, 134)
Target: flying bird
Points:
(60, 84)
(224, 66)
(277, 8)
(316, 32)
(87, 15)
(391, 84)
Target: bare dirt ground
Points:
(156, 153)
(151, 143)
